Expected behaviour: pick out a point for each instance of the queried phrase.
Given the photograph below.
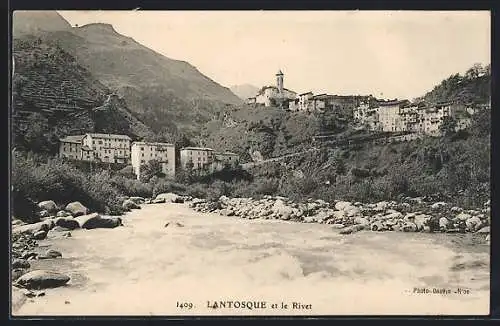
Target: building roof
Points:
(196, 149)
(86, 148)
(306, 93)
(115, 136)
(151, 143)
(227, 153)
(72, 139)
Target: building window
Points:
(142, 148)
(100, 142)
(142, 154)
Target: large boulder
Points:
(473, 224)
(48, 205)
(50, 254)
(77, 209)
(67, 222)
(33, 228)
(138, 200)
(63, 214)
(42, 279)
(40, 235)
(129, 204)
(20, 263)
(352, 229)
(486, 229)
(88, 221)
(409, 227)
(282, 210)
(342, 205)
(462, 217)
(444, 223)
(171, 197)
(158, 201)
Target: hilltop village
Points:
(417, 118)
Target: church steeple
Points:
(279, 81)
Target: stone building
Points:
(274, 95)
(71, 147)
(200, 157)
(110, 148)
(144, 152)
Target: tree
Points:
(475, 71)
(448, 126)
(150, 169)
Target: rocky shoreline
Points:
(409, 215)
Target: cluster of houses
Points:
(279, 96)
(119, 149)
(369, 112)
(418, 118)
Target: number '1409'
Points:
(185, 305)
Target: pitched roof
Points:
(279, 73)
(227, 153)
(72, 139)
(151, 143)
(114, 136)
(197, 148)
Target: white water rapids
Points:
(144, 268)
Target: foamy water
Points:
(144, 268)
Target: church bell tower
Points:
(279, 81)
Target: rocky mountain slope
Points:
(168, 95)
(54, 96)
(244, 91)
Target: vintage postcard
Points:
(279, 163)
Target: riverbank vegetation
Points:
(456, 168)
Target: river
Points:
(144, 268)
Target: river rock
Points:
(158, 201)
(463, 217)
(338, 226)
(175, 224)
(342, 205)
(20, 263)
(486, 229)
(361, 221)
(226, 212)
(17, 273)
(352, 229)
(282, 210)
(63, 214)
(76, 209)
(48, 205)
(68, 223)
(43, 214)
(138, 200)
(438, 205)
(50, 254)
(444, 223)
(377, 226)
(129, 204)
(40, 235)
(109, 223)
(42, 279)
(473, 224)
(33, 228)
(171, 197)
(381, 206)
(409, 227)
(88, 221)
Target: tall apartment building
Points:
(143, 152)
(201, 157)
(110, 148)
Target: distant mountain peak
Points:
(34, 21)
(245, 91)
(98, 26)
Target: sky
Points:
(389, 54)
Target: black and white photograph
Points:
(250, 163)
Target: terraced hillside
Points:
(50, 87)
